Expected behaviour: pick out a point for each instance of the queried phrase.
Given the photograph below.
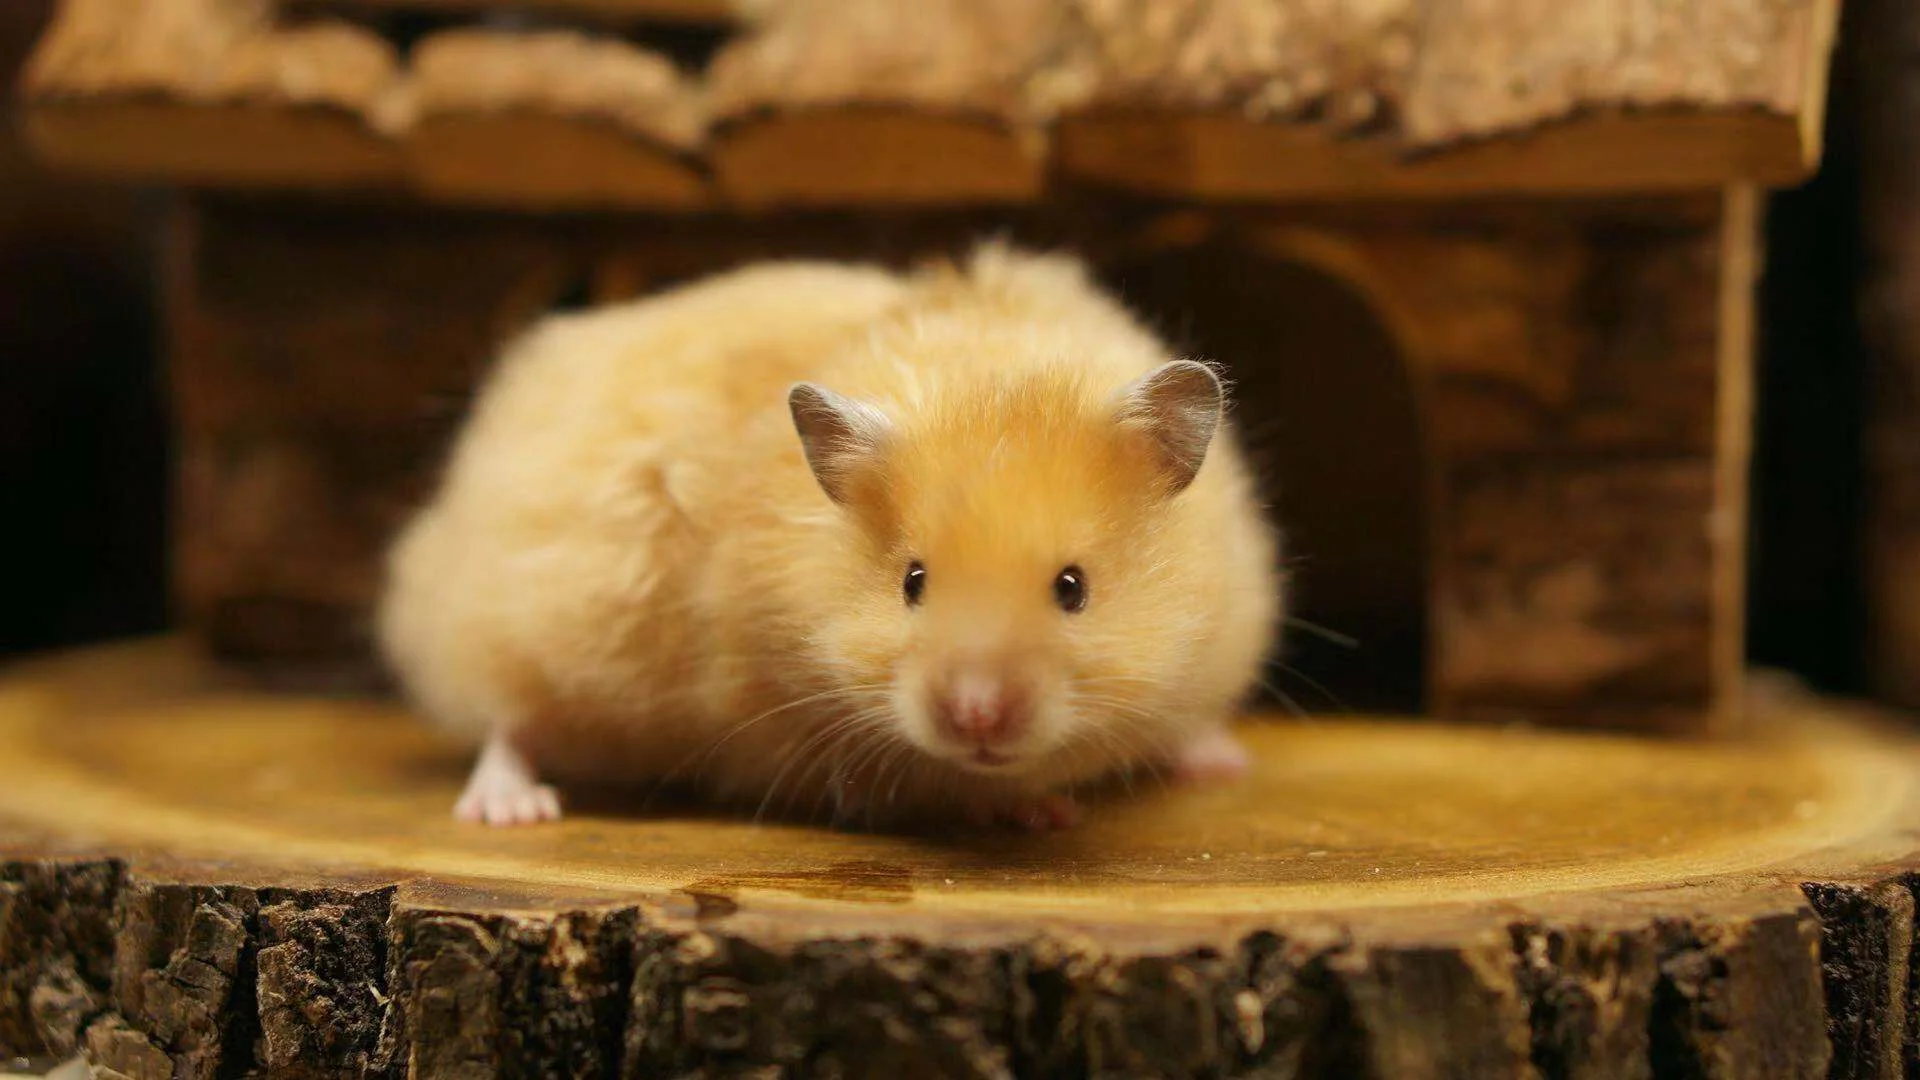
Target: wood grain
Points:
(1575, 586)
(1581, 390)
(219, 145)
(545, 163)
(1222, 156)
(875, 157)
(1735, 329)
(317, 376)
(197, 877)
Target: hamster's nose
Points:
(981, 710)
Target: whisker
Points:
(701, 757)
(1113, 752)
(1135, 736)
(1324, 633)
(1286, 699)
(843, 769)
(799, 754)
(901, 752)
(1314, 683)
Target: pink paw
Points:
(508, 805)
(1049, 812)
(503, 791)
(1216, 755)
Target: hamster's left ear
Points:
(842, 437)
(1178, 406)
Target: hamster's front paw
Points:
(507, 803)
(1041, 812)
(504, 791)
(1215, 755)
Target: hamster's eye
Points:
(1070, 589)
(915, 583)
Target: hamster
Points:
(820, 538)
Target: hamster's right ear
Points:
(1178, 407)
(842, 437)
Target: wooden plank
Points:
(1734, 325)
(1427, 902)
(214, 145)
(1221, 156)
(541, 161)
(875, 156)
(319, 363)
(1547, 328)
(221, 96)
(891, 156)
(1562, 585)
(523, 160)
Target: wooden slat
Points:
(878, 156)
(219, 146)
(217, 95)
(546, 162)
(1217, 156)
(521, 160)
(1573, 590)
(1739, 269)
(848, 157)
(319, 364)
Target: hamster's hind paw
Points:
(504, 791)
(1216, 755)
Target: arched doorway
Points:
(1328, 413)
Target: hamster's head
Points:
(1014, 570)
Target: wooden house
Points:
(1483, 271)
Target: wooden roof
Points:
(850, 101)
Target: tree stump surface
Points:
(198, 879)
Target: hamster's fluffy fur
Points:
(630, 573)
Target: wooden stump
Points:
(196, 879)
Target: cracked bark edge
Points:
(155, 977)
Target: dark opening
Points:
(1326, 409)
(690, 43)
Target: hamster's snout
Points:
(984, 715)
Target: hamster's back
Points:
(716, 351)
(575, 437)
